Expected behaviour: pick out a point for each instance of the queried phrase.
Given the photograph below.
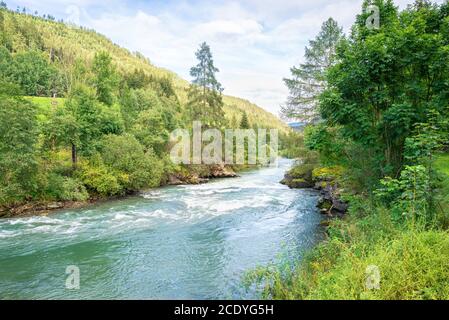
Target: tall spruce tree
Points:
(244, 123)
(205, 93)
(308, 80)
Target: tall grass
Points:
(413, 263)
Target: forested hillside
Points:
(65, 45)
(83, 118)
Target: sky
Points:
(254, 42)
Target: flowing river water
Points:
(183, 242)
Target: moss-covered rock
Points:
(327, 173)
(299, 177)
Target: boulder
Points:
(174, 181)
(55, 205)
(222, 171)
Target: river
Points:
(183, 242)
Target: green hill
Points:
(64, 44)
(82, 118)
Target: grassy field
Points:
(45, 106)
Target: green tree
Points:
(152, 129)
(309, 79)
(244, 123)
(33, 73)
(387, 80)
(6, 63)
(18, 138)
(138, 79)
(105, 77)
(205, 93)
(81, 123)
(4, 36)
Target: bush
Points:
(73, 190)
(126, 156)
(100, 180)
(64, 188)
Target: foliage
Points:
(99, 179)
(31, 71)
(65, 188)
(309, 78)
(244, 123)
(325, 140)
(105, 77)
(291, 145)
(18, 137)
(408, 195)
(404, 74)
(327, 173)
(127, 158)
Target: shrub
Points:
(101, 181)
(64, 188)
(126, 156)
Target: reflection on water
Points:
(191, 242)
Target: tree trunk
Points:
(74, 156)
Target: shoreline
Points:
(45, 208)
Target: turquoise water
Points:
(184, 242)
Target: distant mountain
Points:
(297, 126)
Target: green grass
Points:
(412, 263)
(45, 106)
(442, 163)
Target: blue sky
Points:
(254, 42)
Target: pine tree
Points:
(308, 80)
(244, 123)
(205, 93)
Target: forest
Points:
(377, 104)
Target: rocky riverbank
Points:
(201, 174)
(325, 180)
(192, 175)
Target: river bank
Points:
(323, 179)
(198, 174)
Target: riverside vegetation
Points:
(380, 138)
(82, 118)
